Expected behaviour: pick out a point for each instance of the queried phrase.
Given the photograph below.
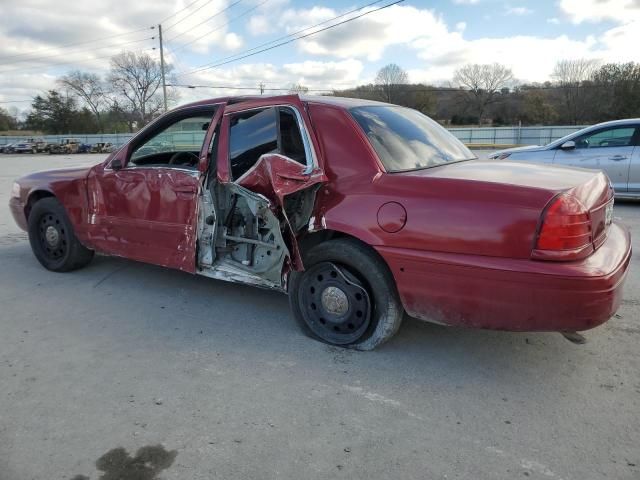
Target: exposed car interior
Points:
(177, 144)
(239, 234)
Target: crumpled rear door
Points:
(285, 183)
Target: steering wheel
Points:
(190, 159)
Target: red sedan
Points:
(360, 211)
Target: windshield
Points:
(405, 139)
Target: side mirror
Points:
(568, 145)
(116, 164)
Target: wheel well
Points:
(310, 240)
(33, 198)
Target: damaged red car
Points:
(360, 211)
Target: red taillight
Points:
(566, 226)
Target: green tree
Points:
(537, 108)
(618, 89)
(53, 113)
(7, 121)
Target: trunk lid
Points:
(529, 185)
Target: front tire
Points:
(52, 238)
(346, 296)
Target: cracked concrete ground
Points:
(125, 369)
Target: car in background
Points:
(613, 147)
(84, 148)
(360, 211)
(30, 145)
(66, 145)
(102, 147)
(7, 148)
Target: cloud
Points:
(622, 11)
(432, 49)
(370, 36)
(466, 2)
(315, 75)
(518, 11)
(553, 21)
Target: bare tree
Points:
(570, 76)
(89, 88)
(137, 79)
(483, 84)
(298, 88)
(389, 79)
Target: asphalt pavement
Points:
(123, 368)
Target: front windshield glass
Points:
(405, 139)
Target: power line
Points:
(74, 44)
(187, 16)
(207, 67)
(33, 59)
(243, 87)
(71, 62)
(211, 17)
(179, 11)
(295, 33)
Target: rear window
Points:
(405, 139)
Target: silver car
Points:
(613, 147)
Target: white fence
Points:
(512, 135)
(470, 136)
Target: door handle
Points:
(617, 158)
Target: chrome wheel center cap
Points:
(52, 236)
(335, 301)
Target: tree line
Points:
(579, 92)
(130, 95)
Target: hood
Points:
(59, 174)
(51, 180)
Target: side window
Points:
(252, 134)
(177, 145)
(291, 144)
(611, 137)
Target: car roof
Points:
(614, 123)
(342, 102)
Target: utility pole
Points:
(164, 83)
(261, 85)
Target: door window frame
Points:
(149, 131)
(223, 146)
(635, 137)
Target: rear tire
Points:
(346, 296)
(52, 238)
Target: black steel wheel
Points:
(52, 238)
(346, 295)
(336, 305)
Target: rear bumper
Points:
(513, 294)
(17, 210)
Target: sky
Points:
(43, 39)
